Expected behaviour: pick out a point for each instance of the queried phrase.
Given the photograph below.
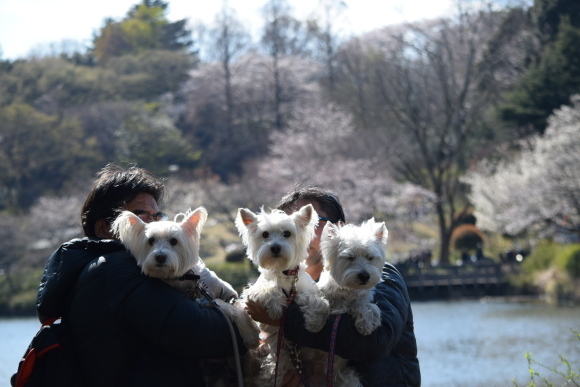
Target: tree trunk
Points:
(444, 234)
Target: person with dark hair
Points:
(127, 329)
(114, 189)
(329, 209)
(386, 357)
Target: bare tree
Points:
(283, 36)
(425, 93)
(229, 40)
(327, 17)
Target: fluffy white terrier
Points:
(277, 243)
(354, 257)
(169, 249)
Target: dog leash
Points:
(198, 287)
(292, 348)
(330, 366)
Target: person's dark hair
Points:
(115, 186)
(327, 200)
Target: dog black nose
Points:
(275, 249)
(160, 258)
(364, 277)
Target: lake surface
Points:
(471, 343)
(462, 343)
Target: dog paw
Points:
(368, 319)
(275, 311)
(314, 323)
(316, 311)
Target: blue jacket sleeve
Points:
(391, 297)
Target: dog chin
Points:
(276, 263)
(161, 272)
(357, 285)
(353, 282)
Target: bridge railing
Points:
(450, 275)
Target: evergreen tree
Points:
(546, 15)
(547, 85)
(144, 28)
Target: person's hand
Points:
(291, 379)
(259, 314)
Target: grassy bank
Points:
(18, 292)
(553, 270)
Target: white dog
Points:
(169, 250)
(354, 257)
(277, 243)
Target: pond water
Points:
(474, 343)
(461, 343)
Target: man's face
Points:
(143, 205)
(314, 261)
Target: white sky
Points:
(26, 25)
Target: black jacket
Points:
(128, 329)
(386, 357)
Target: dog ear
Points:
(330, 231)
(194, 221)
(306, 216)
(134, 219)
(381, 232)
(125, 223)
(244, 218)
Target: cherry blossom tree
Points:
(322, 148)
(538, 188)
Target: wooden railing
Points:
(467, 278)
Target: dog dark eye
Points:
(173, 241)
(151, 241)
(370, 258)
(265, 234)
(350, 257)
(286, 234)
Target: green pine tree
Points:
(547, 85)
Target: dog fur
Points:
(277, 242)
(354, 257)
(169, 249)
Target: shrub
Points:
(543, 256)
(568, 259)
(467, 237)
